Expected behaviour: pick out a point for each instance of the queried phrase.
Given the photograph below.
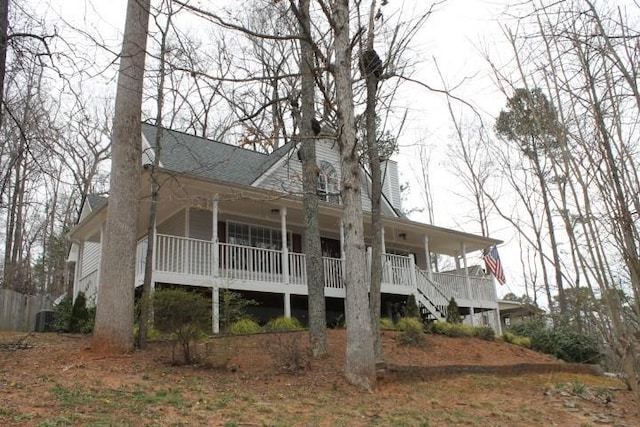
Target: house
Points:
(230, 218)
(513, 313)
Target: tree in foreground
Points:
(114, 317)
(360, 357)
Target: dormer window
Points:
(328, 185)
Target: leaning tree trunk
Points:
(360, 361)
(114, 317)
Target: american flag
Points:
(492, 259)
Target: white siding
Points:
(90, 266)
(90, 258)
(174, 226)
(287, 176)
(200, 224)
(391, 183)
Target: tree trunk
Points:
(360, 361)
(376, 195)
(312, 248)
(114, 317)
(4, 26)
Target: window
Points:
(328, 186)
(257, 237)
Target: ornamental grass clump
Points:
(451, 329)
(387, 323)
(283, 324)
(516, 339)
(244, 326)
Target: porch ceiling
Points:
(265, 206)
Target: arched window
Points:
(328, 185)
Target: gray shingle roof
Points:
(95, 201)
(184, 153)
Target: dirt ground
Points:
(57, 380)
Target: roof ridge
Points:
(211, 140)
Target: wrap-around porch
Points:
(195, 246)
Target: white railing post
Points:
(412, 271)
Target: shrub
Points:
(218, 352)
(567, 345)
(73, 316)
(411, 309)
(411, 332)
(244, 326)
(233, 307)
(62, 314)
(283, 324)
(484, 332)
(560, 342)
(286, 350)
(183, 314)
(387, 323)
(530, 328)
(453, 312)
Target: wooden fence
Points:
(18, 311)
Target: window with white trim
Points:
(328, 185)
(257, 237)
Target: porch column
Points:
(383, 248)
(427, 257)
(215, 289)
(185, 249)
(463, 249)
(154, 253)
(341, 239)
(412, 271)
(215, 241)
(103, 232)
(78, 272)
(215, 308)
(285, 260)
(368, 266)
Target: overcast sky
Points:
(454, 36)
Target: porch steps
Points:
(432, 302)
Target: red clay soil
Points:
(52, 379)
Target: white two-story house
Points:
(231, 218)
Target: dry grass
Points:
(57, 380)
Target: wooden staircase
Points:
(432, 302)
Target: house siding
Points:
(200, 224)
(174, 225)
(391, 183)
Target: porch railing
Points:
(455, 286)
(181, 255)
